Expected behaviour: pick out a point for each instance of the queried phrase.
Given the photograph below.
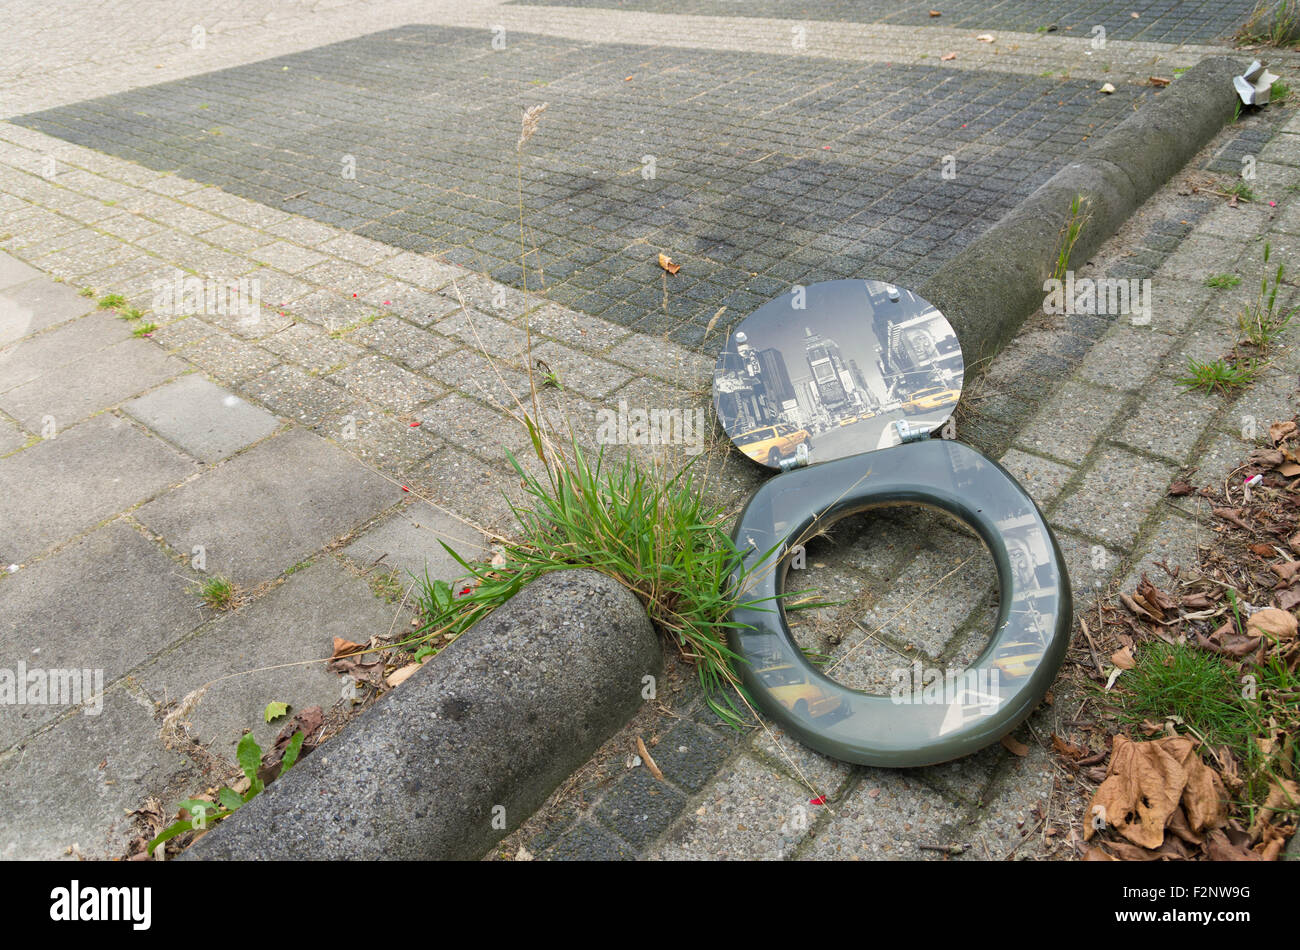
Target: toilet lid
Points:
(828, 370)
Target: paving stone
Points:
(484, 334)
(1071, 422)
(483, 377)
(1007, 820)
(580, 372)
(689, 755)
(473, 426)
(458, 481)
(296, 394)
(1043, 479)
(69, 483)
(1174, 546)
(747, 813)
(260, 513)
(1089, 565)
(106, 602)
(27, 359)
(586, 842)
(73, 391)
(229, 358)
(1114, 497)
(886, 816)
(14, 271)
(1127, 358)
(410, 541)
(400, 341)
(639, 807)
(11, 437)
(37, 304)
(386, 384)
(287, 257)
(575, 329)
(296, 621)
(76, 784)
(205, 420)
(1169, 420)
(819, 774)
(420, 307)
(311, 348)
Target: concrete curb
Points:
(451, 761)
(988, 289)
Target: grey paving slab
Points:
(14, 271)
(75, 784)
(36, 304)
(1115, 497)
(106, 602)
(886, 816)
(297, 621)
(27, 359)
(262, 512)
(410, 541)
(718, 158)
(207, 421)
(85, 474)
(11, 437)
(73, 391)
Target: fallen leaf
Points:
(1014, 746)
(523, 854)
(1281, 430)
(275, 711)
(947, 56)
(1066, 748)
(402, 674)
(667, 264)
(935, 13)
(1263, 550)
(342, 647)
(1123, 658)
(1271, 622)
(1160, 81)
(1179, 488)
(1289, 599)
(1289, 469)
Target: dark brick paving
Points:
(1158, 21)
(767, 171)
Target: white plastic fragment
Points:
(1255, 85)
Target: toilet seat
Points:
(1006, 681)
(845, 409)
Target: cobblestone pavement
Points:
(1163, 21)
(274, 449)
(751, 175)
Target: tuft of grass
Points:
(86, 292)
(1271, 23)
(652, 533)
(131, 313)
(144, 329)
(218, 593)
(111, 301)
(387, 586)
(1279, 91)
(1219, 375)
(1209, 696)
(1263, 322)
(1070, 232)
(1222, 281)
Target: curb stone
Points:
(988, 289)
(470, 746)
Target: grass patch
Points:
(387, 586)
(86, 292)
(1279, 91)
(1217, 705)
(1241, 191)
(653, 533)
(130, 313)
(144, 329)
(1222, 281)
(1263, 322)
(218, 593)
(1272, 23)
(1219, 375)
(111, 301)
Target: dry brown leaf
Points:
(1067, 748)
(402, 674)
(667, 264)
(1181, 487)
(935, 13)
(1159, 81)
(1271, 622)
(1289, 469)
(947, 56)
(1289, 599)
(1263, 550)
(1281, 430)
(1014, 745)
(342, 647)
(1123, 658)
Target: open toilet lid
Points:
(825, 371)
